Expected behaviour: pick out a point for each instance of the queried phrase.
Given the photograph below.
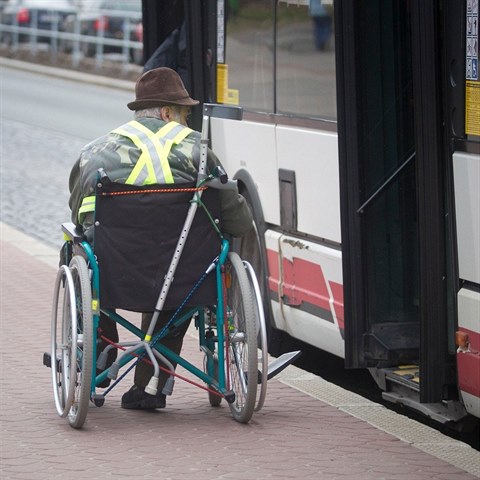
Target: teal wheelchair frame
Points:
(232, 332)
(223, 326)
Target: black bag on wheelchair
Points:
(135, 235)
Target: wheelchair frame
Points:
(228, 338)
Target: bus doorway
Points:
(396, 191)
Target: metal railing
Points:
(10, 34)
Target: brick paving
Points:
(294, 436)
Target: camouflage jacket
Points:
(117, 155)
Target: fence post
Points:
(100, 44)
(76, 44)
(126, 40)
(15, 35)
(54, 38)
(34, 34)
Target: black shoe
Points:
(137, 399)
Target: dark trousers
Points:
(143, 370)
(173, 341)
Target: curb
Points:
(72, 75)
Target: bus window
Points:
(249, 52)
(305, 77)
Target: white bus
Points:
(359, 153)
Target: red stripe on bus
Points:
(304, 281)
(468, 365)
(273, 272)
(337, 292)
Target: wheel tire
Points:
(82, 352)
(262, 357)
(62, 369)
(242, 339)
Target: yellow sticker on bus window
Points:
(472, 108)
(233, 97)
(226, 95)
(222, 82)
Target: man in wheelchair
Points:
(156, 147)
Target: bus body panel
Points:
(378, 77)
(293, 149)
(313, 156)
(250, 146)
(466, 170)
(306, 291)
(468, 361)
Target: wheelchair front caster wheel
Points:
(98, 400)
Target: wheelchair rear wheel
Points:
(62, 369)
(242, 339)
(262, 358)
(72, 342)
(82, 354)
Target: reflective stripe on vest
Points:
(152, 166)
(88, 205)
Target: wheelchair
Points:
(171, 258)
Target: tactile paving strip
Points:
(421, 436)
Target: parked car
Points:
(46, 14)
(110, 19)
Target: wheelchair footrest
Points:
(282, 362)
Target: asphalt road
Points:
(45, 121)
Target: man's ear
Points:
(166, 113)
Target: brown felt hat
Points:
(160, 86)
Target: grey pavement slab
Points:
(308, 428)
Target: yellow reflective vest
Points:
(152, 166)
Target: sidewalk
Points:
(308, 428)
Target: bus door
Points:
(395, 194)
